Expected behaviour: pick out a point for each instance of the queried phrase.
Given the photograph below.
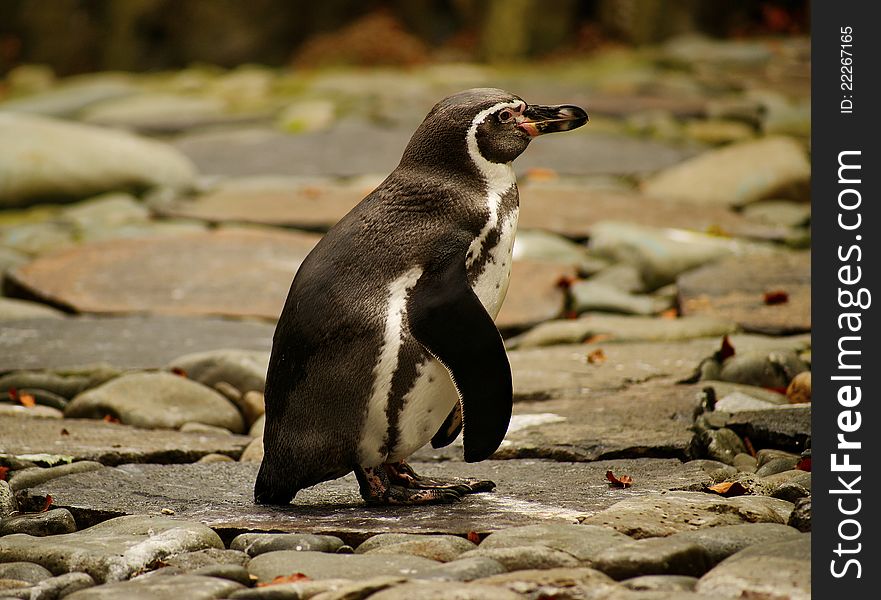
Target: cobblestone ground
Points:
(658, 327)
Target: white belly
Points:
(492, 284)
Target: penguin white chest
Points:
(491, 285)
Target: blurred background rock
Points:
(76, 36)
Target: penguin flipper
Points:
(447, 318)
(450, 428)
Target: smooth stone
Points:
(769, 370)
(192, 587)
(361, 589)
(799, 390)
(257, 426)
(36, 239)
(245, 370)
(128, 276)
(534, 294)
(719, 132)
(208, 557)
(155, 401)
(307, 116)
(51, 522)
(35, 476)
(653, 556)
(112, 550)
(220, 495)
(591, 296)
(777, 465)
(718, 470)
(215, 458)
(320, 565)
(668, 513)
(584, 542)
(622, 276)
(801, 515)
(544, 246)
(71, 97)
(722, 445)
(299, 590)
(779, 212)
(105, 211)
(744, 463)
(62, 586)
(39, 412)
(134, 231)
(620, 328)
(253, 452)
(661, 583)
(255, 544)
(67, 383)
(252, 405)
(12, 309)
(236, 573)
(725, 388)
(581, 582)
(780, 569)
(734, 289)
(791, 492)
(516, 558)
(721, 542)
(445, 591)
(443, 548)
(8, 503)
(26, 572)
(155, 113)
(660, 254)
(465, 569)
(45, 397)
(74, 160)
(801, 478)
(111, 444)
(785, 427)
(737, 174)
(124, 342)
(738, 401)
(195, 427)
(572, 211)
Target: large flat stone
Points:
(735, 289)
(534, 294)
(111, 444)
(233, 272)
(138, 342)
(220, 495)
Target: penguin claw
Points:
(398, 484)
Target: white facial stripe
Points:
(499, 178)
(376, 426)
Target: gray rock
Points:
(254, 451)
(17, 310)
(80, 160)
(320, 565)
(719, 471)
(800, 518)
(777, 465)
(192, 427)
(236, 573)
(31, 477)
(443, 548)
(155, 113)
(24, 571)
(726, 388)
(112, 550)
(254, 544)
(189, 561)
(192, 587)
(516, 558)
(802, 478)
(252, 405)
(791, 492)
(622, 276)
(737, 402)
(772, 370)
(737, 175)
(215, 458)
(723, 445)
(584, 542)
(554, 583)
(465, 569)
(291, 591)
(653, 556)
(36, 412)
(786, 427)
(665, 514)
(71, 97)
(780, 569)
(661, 583)
(659, 254)
(744, 463)
(627, 594)
(52, 522)
(45, 397)
(245, 370)
(256, 429)
(539, 245)
(156, 400)
(104, 212)
(61, 586)
(124, 342)
(779, 212)
(766, 455)
(445, 591)
(36, 239)
(621, 328)
(591, 296)
(721, 542)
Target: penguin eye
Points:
(506, 115)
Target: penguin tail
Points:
(267, 488)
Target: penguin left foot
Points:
(379, 488)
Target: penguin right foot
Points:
(378, 490)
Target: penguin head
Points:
(495, 125)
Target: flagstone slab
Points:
(735, 289)
(229, 272)
(111, 443)
(131, 342)
(220, 496)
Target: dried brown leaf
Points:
(597, 357)
(622, 481)
(728, 489)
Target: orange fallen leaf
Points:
(600, 337)
(46, 504)
(597, 357)
(670, 313)
(292, 578)
(749, 446)
(570, 314)
(541, 174)
(27, 400)
(3, 472)
(776, 297)
(728, 488)
(64, 431)
(622, 482)
(726, 351)
(803, 465)
(473, 537)
(111, 419)
(179, 372)
(564, 282)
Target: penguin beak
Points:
(537, 120)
